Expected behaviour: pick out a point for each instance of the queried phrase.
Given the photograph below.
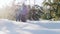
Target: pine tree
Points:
(54, 8)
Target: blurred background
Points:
(35, 9)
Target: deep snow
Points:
(29, 27)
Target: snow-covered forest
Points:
(44, 10)
(29, 16)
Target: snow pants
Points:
(21, 18)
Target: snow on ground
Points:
(29, 27)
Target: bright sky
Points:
(39, 2)
(4, 3)
(8, 2)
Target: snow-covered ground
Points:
(29, 27)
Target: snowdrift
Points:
(29, 27)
